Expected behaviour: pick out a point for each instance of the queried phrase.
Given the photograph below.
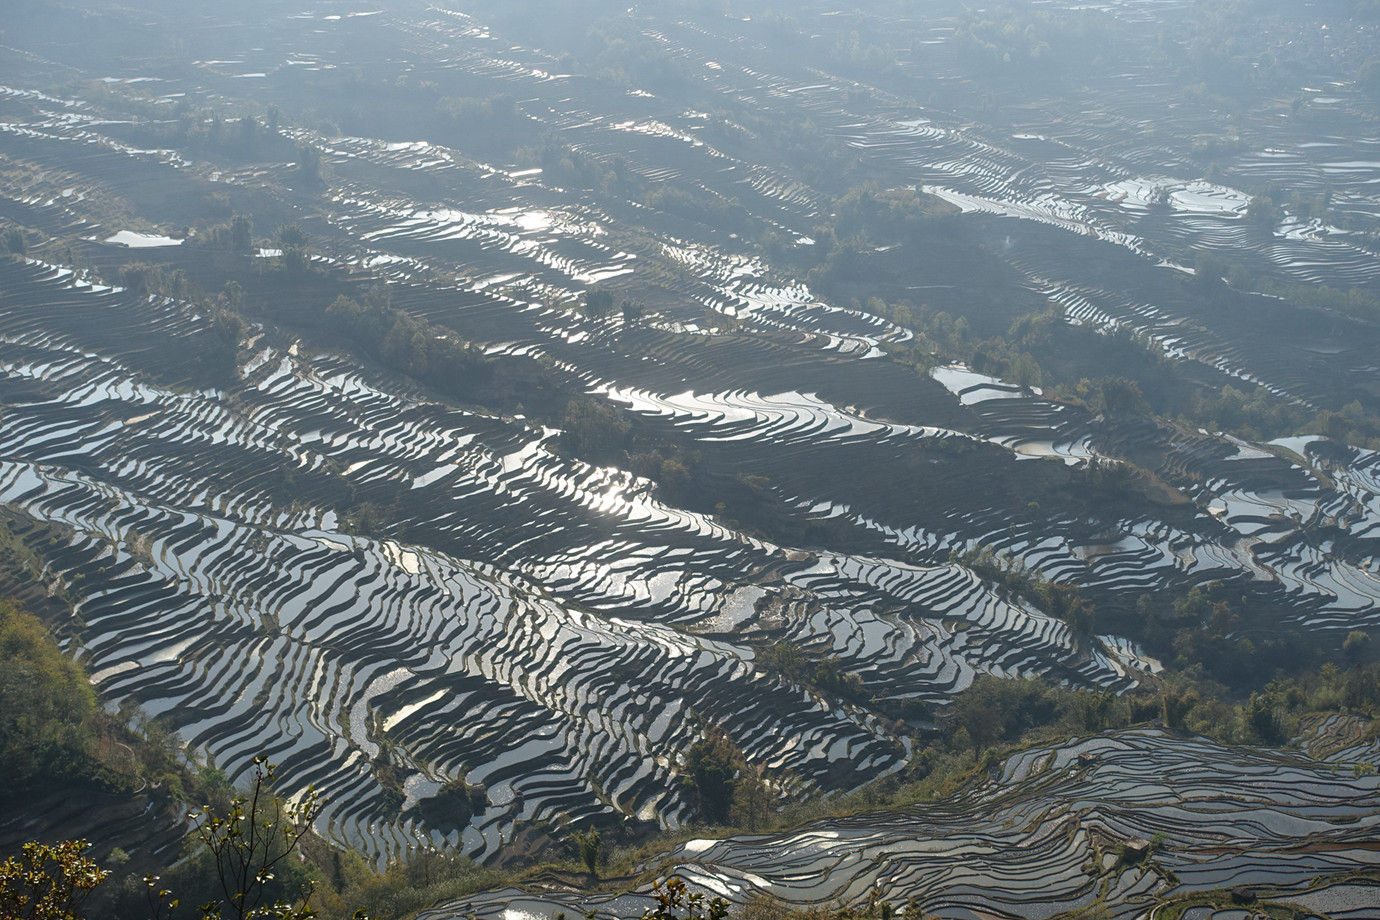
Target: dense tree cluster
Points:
(209, 132)
(1058, 599)
(403, 343)
(727, 788)
(822, 672)
(595, 430)
(478, 113)
(47, 706)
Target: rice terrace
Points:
(691, 460)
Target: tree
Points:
(1262, 212)
(1025, 371)
(675, 902)
(292, 236)
(997, 710)
(751, 799)
(233, 295)
(48, 882)
(15, 241)
(1175, 706)
(241, 233)
(46, 704)
(598, 303)
(1208, 270)
(1356, 645)
(1263, 724)
(593, 430)
(309, 166)
(1119, 396)
(712, 765)
(588, 843)
(249, 845)
(294, 243)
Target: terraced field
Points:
(558, 631)
(1052, 839)
(252, 624)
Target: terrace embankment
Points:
(1125, 824)
(495, 619)
(391, 585)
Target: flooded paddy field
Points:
(389, 584)
(1052, 839)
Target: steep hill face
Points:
(476, 521)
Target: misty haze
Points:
(681, 461)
